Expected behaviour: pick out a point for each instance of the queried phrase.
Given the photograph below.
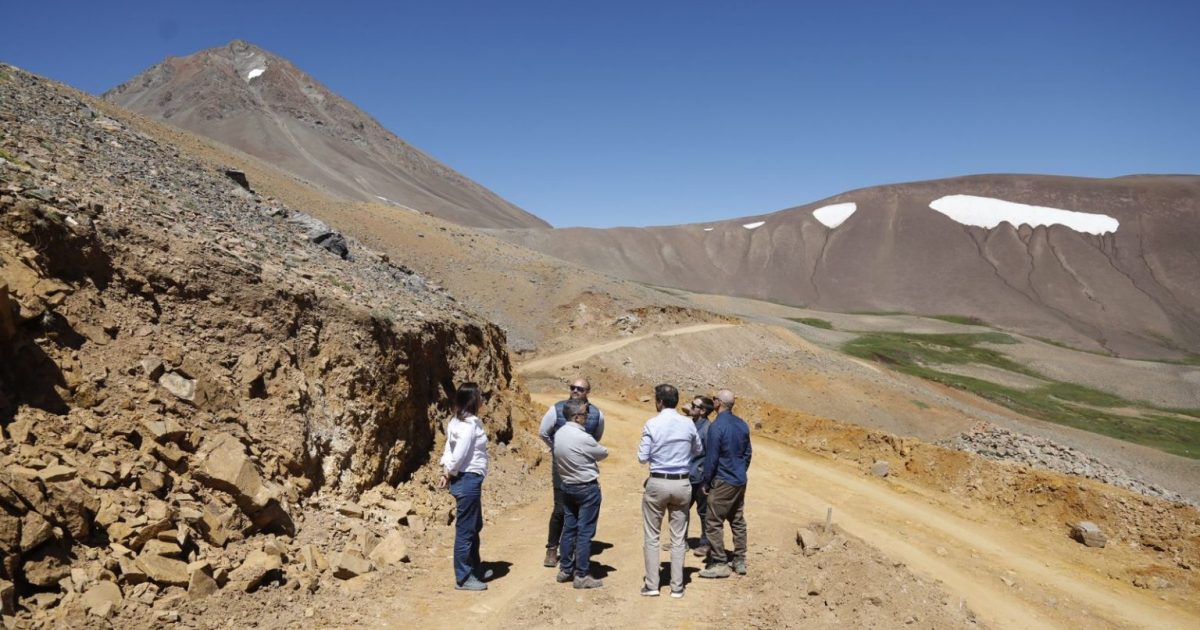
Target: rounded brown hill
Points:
(260, 103)
(1133, 292)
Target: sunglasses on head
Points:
(576, 388)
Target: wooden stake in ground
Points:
(828, 519)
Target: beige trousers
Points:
(672, 497)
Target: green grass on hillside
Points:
(1063, 403)
(812, 321)
(966, 320)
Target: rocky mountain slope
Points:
(252, 100)
(1103, 265)
(197, 383)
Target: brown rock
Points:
(212, 526)
(47, 565)
(880, 469)
(313, 560)
(226, 467)
(152, 367)
(1089, 534)
(349, 563)
(257, 568)
(57, 472)
(8, 598)
(153, 482)
(201, 585)
(391, 550)
(162, 548)
(10, 532)
(131, 571)
(35, 530)
(163, 570)
(164, 430)
(102, 599)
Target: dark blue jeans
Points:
(581, 510)
(467, 489)
(701, 502)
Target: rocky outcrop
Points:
(185, 378)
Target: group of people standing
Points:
(693, 460)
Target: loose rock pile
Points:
(188, 382)
(997, 443)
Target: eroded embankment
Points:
(182, 370)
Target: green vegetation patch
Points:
(812, 321)
(965, 320)
(1062, 403)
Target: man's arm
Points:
(547, 425)
(593, 449)
(600, 424)
(710, 455)
(644, 445)
(749, 451)
(697, 445)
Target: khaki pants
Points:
(671, 496)
(725, 503)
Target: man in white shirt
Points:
(669, 441)
(552, 421)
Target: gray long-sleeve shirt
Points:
(576, 454)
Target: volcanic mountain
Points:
(252, 100)
(1107, 265)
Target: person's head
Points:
(575, 411)
(702, 406)
(686, 409)
(724, 400)
(580, 388)
(467, 400)
(666, 397)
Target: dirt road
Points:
(582, 354)
(1008, 576)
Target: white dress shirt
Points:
(466, 447)
(669, 441)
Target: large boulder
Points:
(225, 466)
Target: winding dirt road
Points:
(582, 354)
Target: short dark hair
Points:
(667, 395)
(707, 405)
(573, 408)
(467, 400)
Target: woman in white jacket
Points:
(464, 465)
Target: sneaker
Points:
(588, 581)
(649, 592)
(739, 567)
(471, 584)
(677, 594)
(551, 557)
(701, 551)
(563, 577)
(721, 570)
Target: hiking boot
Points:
(721, 570)
(588, 581)
(739, 567)
(649, 592)
(471, 584)
(701, 551)
(677, 594)
(563, 577)
(551, 557)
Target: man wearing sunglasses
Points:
(552, 421)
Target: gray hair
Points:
(726, 398)
(572, 408)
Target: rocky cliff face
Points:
(183, 369)
(257, 102)
(1134, 291)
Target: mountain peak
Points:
(260, 103)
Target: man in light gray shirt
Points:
(669, 441)
(576, 454)
(552, 421)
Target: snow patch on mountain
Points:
(834, 215)
(751, 226)
(987, 212)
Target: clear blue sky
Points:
(638, 113)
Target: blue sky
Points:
(642, 113)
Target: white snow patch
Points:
(254, 73)
(383, 198)
(707, 229)
(834, 215)
(987, 212)
(751, 226)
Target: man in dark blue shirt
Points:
(726, 460)
(701, 408)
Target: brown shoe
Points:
(701, 551)
(551, 557)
